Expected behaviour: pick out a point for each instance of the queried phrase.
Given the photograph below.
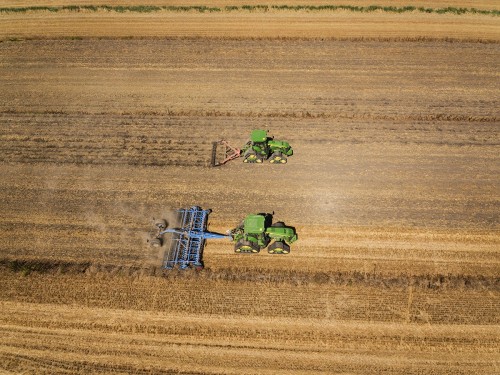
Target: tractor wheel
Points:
(155, 242)
(250, 156)
(243, 246)
(276, 158)
(279, 247)
(160, 224)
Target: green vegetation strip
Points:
(249, 8)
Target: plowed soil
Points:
(393, 189)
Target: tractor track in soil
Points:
(291, 277)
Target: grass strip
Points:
(249, 8)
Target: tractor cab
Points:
(257, 149)
(254, 224)
(259, 136)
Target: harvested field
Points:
(393, 189)
(343, 25)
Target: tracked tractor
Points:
(260, 147)
(257, 231)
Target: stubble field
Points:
(393, 190)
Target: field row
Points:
(202, 296)
(149, 140)
(252, 79)
(61, 338)
(288, 274)
(342, 24)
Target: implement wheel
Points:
(160, 224)
(243, 246)
(198, 266)
(155, 242)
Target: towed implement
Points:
(222, 152)
(188, 239)
(259, 148)
(185, 248)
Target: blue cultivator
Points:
(188, 239)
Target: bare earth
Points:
(393, 189)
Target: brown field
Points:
(337, 25)
(394, 190)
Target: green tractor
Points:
(257, 231)
(262, 147)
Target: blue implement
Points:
(189, 239)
